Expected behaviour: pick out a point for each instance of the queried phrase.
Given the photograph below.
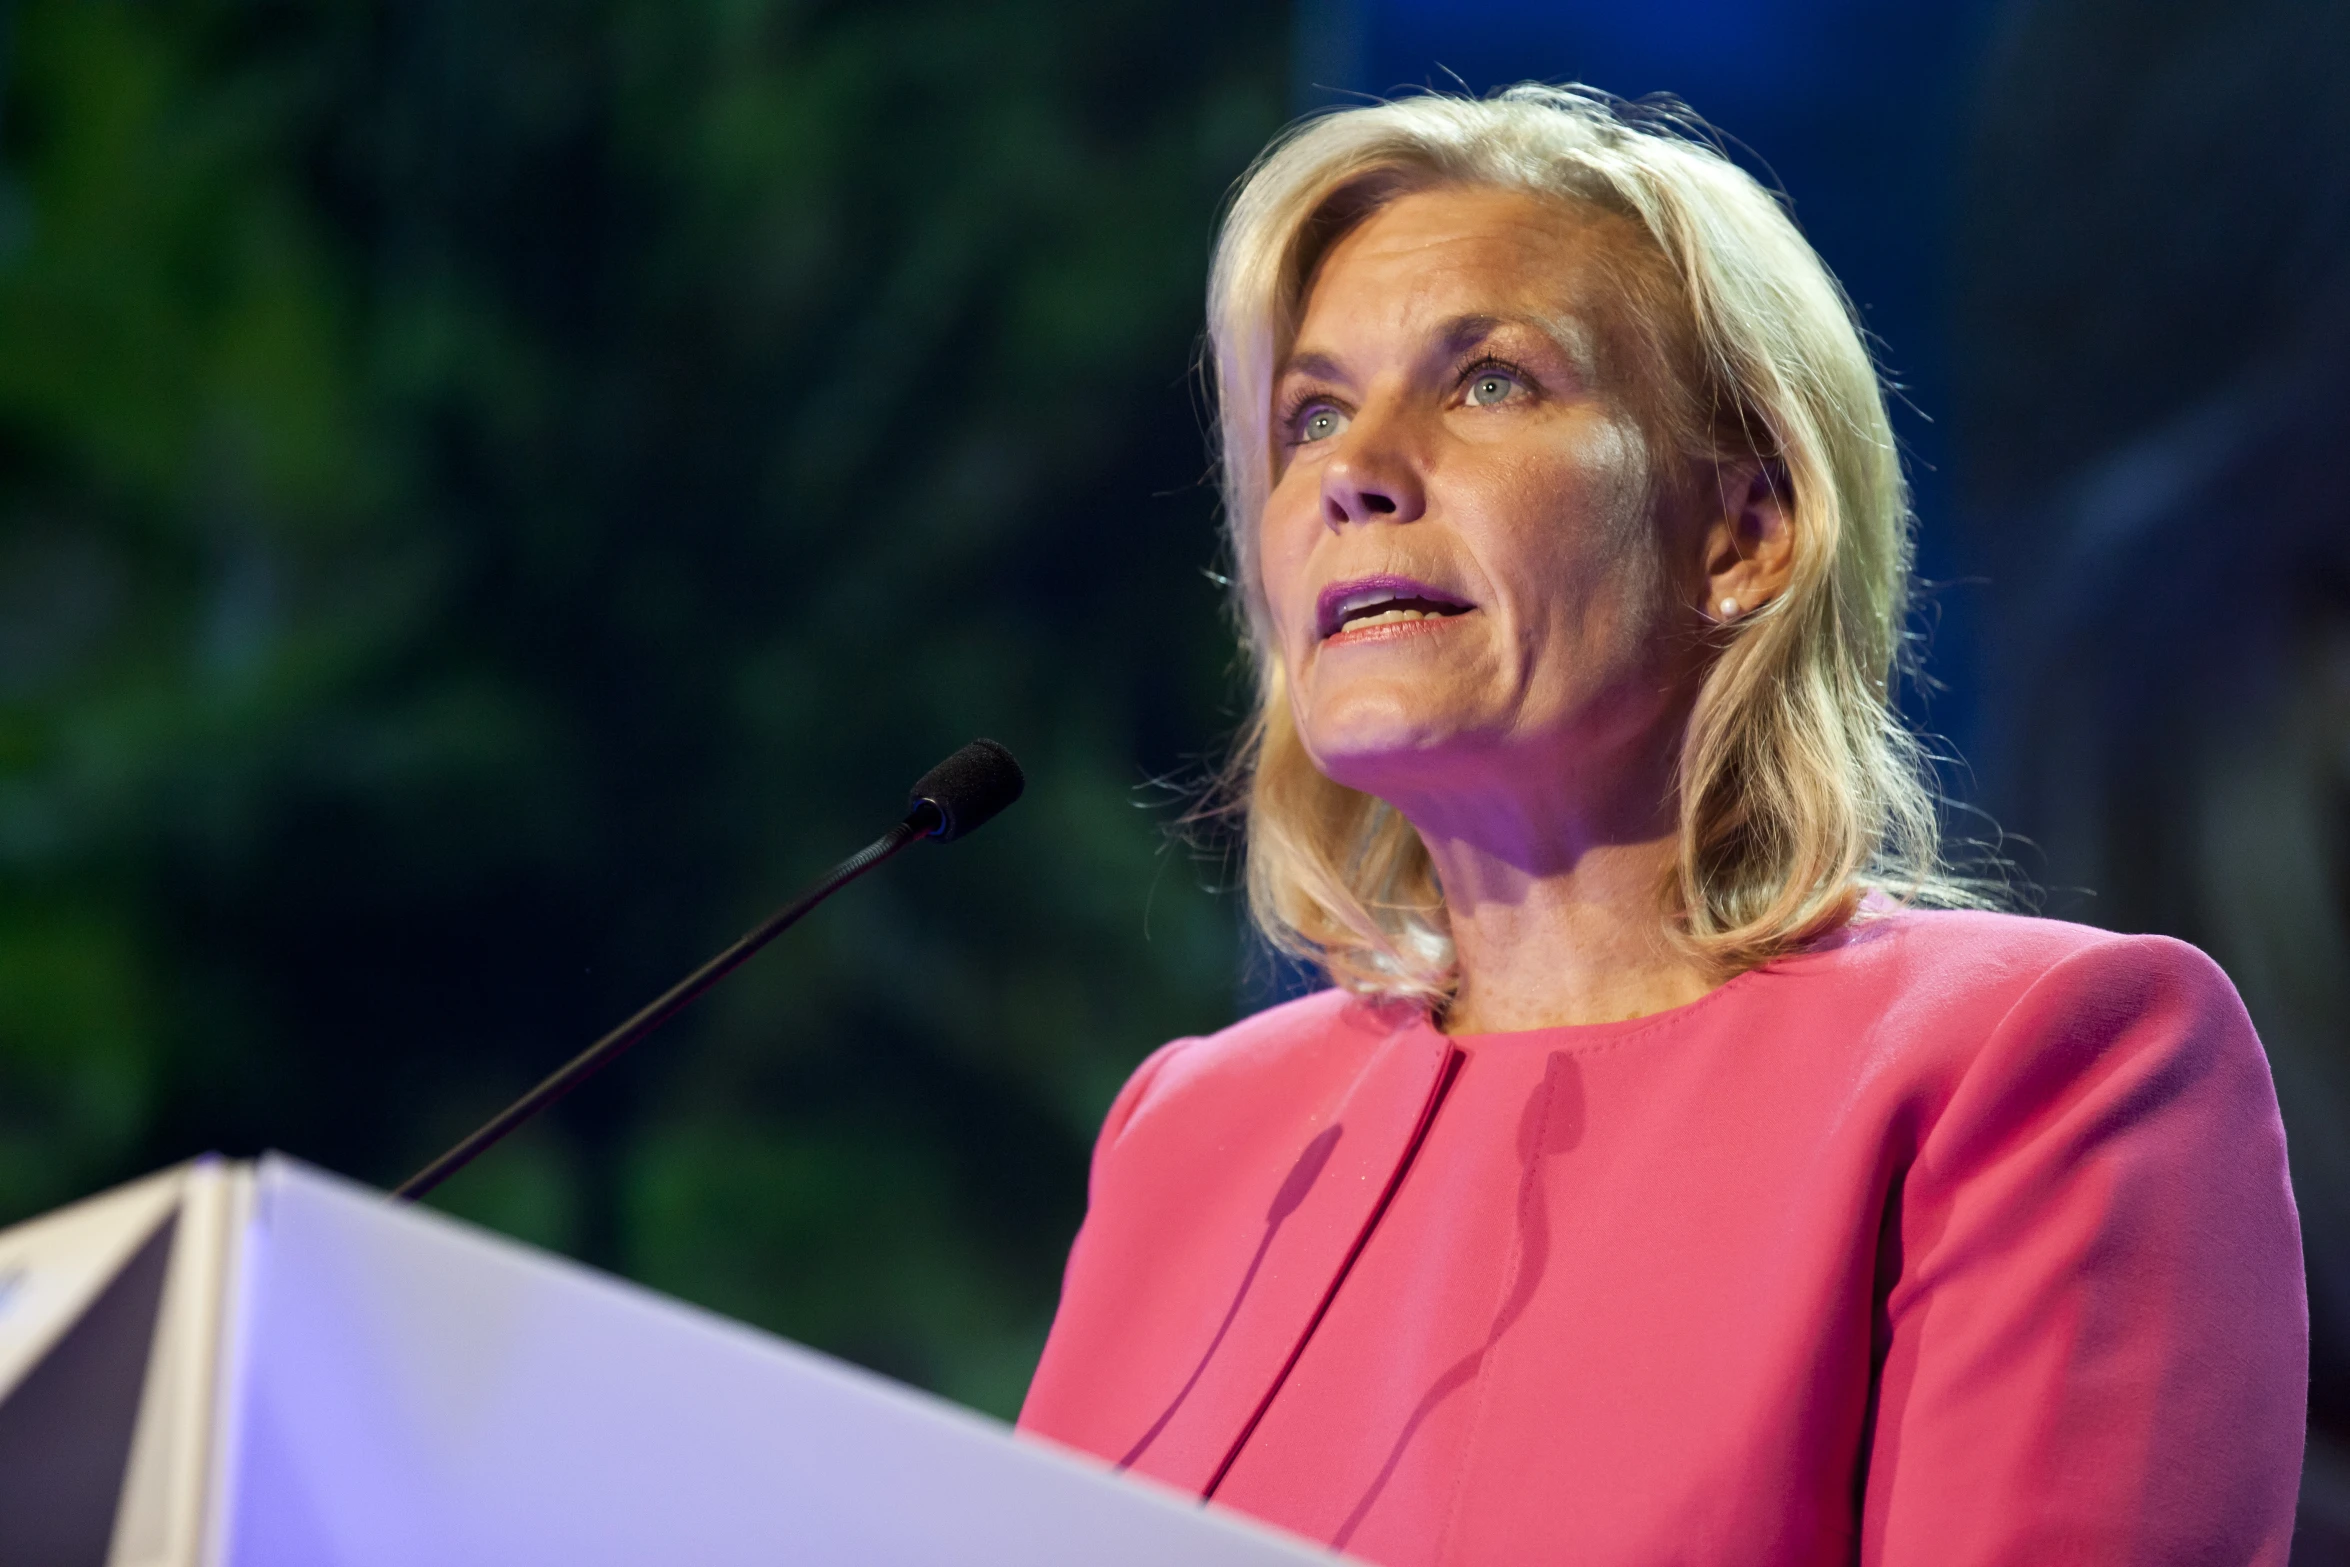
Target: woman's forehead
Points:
(1463, 262)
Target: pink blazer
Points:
(1963, 1239)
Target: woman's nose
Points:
(1371, 480)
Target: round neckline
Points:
(1596, 1032)
(1624, 1028)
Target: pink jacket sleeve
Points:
(2094, 1342)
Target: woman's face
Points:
(1464, 551)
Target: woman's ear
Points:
(1749, 545)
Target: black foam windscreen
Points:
(968, 788)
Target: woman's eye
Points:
(1490, 388)
(1319, 422)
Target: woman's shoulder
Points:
(1304, 1036)
(1982, 956)
(1986, 996)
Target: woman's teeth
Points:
(1389, 617)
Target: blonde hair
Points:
(1799, 787)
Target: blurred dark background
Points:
(495, 494)
(499, 495)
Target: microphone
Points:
(954, 799)
(968, 788)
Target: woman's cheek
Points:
(1582, 514)
(1281, 564)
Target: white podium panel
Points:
(337, 1381)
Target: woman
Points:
(1657, 1182)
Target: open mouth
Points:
(1372, 602)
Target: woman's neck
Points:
(1575, 935)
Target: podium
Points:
(261, 1365)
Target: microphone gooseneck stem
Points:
(921, 822)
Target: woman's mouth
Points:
(1375, 603)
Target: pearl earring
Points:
(1729, 609)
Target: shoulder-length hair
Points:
(1799, 787)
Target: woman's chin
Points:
(1393, 763)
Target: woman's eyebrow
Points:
(1573, 337)
(1458, 334)
(1318, 365)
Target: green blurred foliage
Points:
(495, 494)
